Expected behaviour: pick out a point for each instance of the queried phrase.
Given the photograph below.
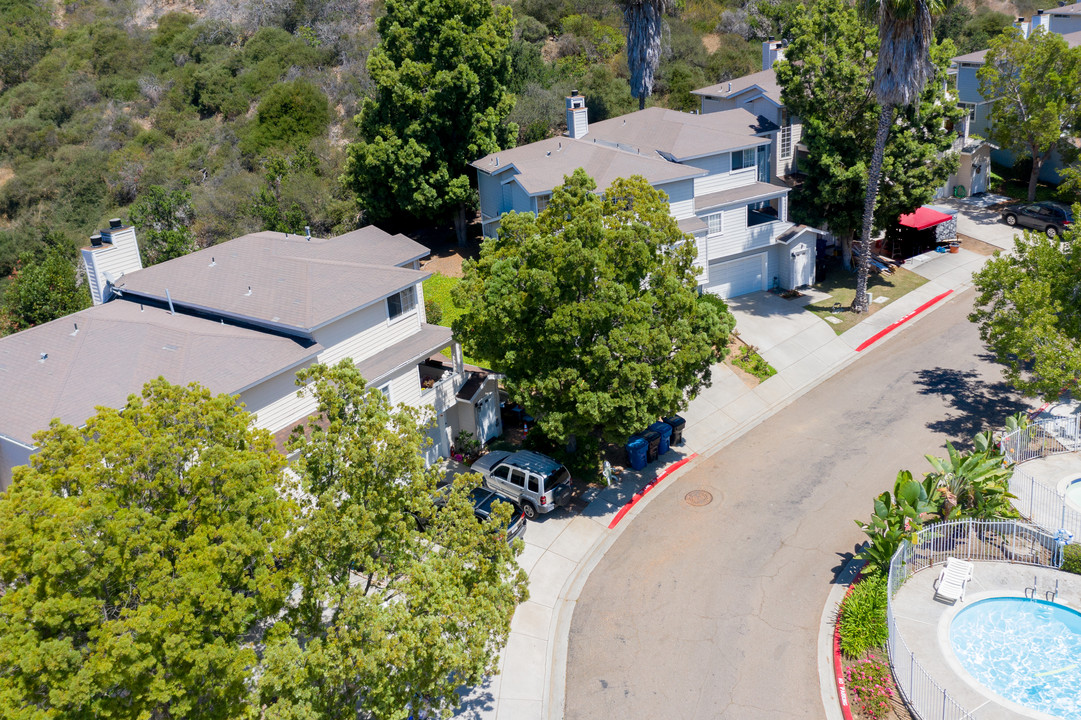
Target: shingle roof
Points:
(279, 280)
(119, 346)
(1074, 9)
(430, 340)
(739, 194)
(542, 165)
(681, 135)
(764, 80)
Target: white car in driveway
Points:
(537, 482)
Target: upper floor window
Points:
(402, 302)
(542, 202)
(785, 139)
(743, 159)
(716, 223)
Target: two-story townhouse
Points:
(715, 169)
(243, 317)
(976, 152)
(760, 94)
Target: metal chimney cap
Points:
(115, 223)
(95, 240)
(574, 93)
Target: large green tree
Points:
(1035, 84)
(138, 562)
(440, 101)
(164, 219)
(44, 286)
(826, 80)
(590, 310)
(1029, 311)
(388, 617)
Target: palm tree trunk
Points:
(885, 119)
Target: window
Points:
(385, 389)
(786, 136)
(401, 303)
(743, 159)
(534, 486)
(542, 202)
(502, 472)
(517, 477)
(716, 224)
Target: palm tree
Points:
(645, 24)
(904, 65)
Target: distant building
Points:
(241, 318)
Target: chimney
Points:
(577, 122)
(112, 253)
(1023, 26)
(772, 51)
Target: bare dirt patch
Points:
(977, 246)
(711, 41)
(6, 174)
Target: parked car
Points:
(483, 500)
(537, 482)
(1050, 217)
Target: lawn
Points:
(437, 289)
(841, 285)
(1007, 181)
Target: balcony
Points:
(439, 384)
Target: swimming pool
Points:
(1073, 493)
(1027, 651)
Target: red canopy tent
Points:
(923, 218)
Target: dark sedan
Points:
(1049, 217)
(482, 500)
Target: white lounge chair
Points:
(953, 579)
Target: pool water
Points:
(1073, 493)
(1027, 651)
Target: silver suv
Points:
(537, 482)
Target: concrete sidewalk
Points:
(563, 547)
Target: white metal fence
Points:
(994, 540)
(1039, 503)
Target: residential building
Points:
(716, 169)
(242, 318)
(976, 152)
(760, 94)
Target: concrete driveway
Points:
(976, 219)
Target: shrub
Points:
(750, 361)
(862, 620)
(433, 311)
(289, 115)
(872, 686)
(1071, 559)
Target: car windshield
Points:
(559, 477)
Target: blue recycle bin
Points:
(636, 452)
(665, 431)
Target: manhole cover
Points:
(698, 498)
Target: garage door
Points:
(737, 277)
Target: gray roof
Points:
(542, 165)
(1072, 40)
(380, 248)
(430, 340)
(119, 346)
(280, 281)
(739, 194)
(692, 225)
(764, 81)
(1074, 9)
(681, 135)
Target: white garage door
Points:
(737, 277)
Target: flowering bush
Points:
(871, 686)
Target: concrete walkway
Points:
(563, 547)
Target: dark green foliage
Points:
(590, 311)
(433, 311)
(163, 221)
(441, 74)
(606, 94)
(677, 81)
(25, 36)
(750, 361)
(1071, 559)
(289, 116)
(44, 287)
(970, 31)
(862, 617)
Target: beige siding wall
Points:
(365, 333)
(276, 403)
(680, 198)
(726, 180)
(738, 238)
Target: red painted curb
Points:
(639, 495)
(838, 668)
(882, 333)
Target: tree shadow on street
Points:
(978, 404)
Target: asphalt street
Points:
(712, 611)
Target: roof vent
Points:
(114, 223)
(308, 232)
(212, 263)
(249, 291)
(95, 239)
(44, 357)
(76, 330)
